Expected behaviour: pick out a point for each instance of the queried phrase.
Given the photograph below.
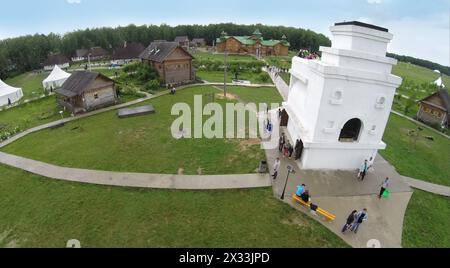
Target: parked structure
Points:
(56, 79)
(254, 44)
(435, 109)
(339, 106)
(9, 95)
(56, 60)
(87, 91)
(172, 62)
(183, 41)
(127, 53)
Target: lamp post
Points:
(225, 75)
(290, 170)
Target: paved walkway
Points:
(140, 180)
(281, 85)
(340, 192)
(428, 187)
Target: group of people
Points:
(355, 220)
(364, 169)
(305, 54)
(285, 147)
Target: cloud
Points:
(73, 2)
(374, 2)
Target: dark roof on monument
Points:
(79, 82)
(362, 24)
(159, 51)
(129, 51)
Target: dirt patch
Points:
(245, 144)
(297, 220)
(180, 171)
(230, 96)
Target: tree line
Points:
(26, 53)
(422, 63)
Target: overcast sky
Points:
(421, 27)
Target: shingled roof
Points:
(129, 51)
(180, 39)
(444, 96)
(79, 82)
(56, 59)
(159, 51)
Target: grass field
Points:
(31, 114)
(140, 144)
(31, 84)
(418, 74)
(425, 159)
(37, 212)
(257, 95)
(199, 55)
(218, 77)
(426, 222)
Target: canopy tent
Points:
(56, 79)
(439, 83)
(9, 94)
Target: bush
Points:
(263, 77)
(153, 85)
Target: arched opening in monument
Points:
(351, 130)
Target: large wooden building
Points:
(254, 44)
(87, 91)
(435, 109)
(172, 62)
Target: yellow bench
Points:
(328, 216)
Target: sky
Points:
(421, 28)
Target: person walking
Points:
(350, 221)
(361, 217)
(276, 168)
(282, 142)
(291, 151)
(384, 187)
(363, 170)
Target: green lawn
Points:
(198, 55)
(38, 212)
(418, 74)
(31, 114)
(31, 84)
(257, 95)
(218, 77)
(140, 144)
(425, 160)
(426, 222)
(286, 77)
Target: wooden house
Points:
(127, 53)
(183, 41)
(86, 91)
(435, 109)
(254, 44)
(172, 62)
(56, 59)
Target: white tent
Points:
(56, 79)
(439, 83)
(9, 94)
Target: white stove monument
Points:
(339, 106)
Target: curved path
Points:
(428, 187)
(141, 180)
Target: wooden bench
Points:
(328, 216)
